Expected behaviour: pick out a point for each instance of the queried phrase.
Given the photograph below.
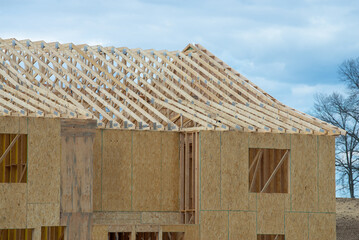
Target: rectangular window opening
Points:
(13, 158)
(18, 234)
(268, 170)
(270, 237)
(119, 236)
(53, 233)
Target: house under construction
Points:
(116, 143)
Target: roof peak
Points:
(127, 88)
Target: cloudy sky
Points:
(291, 49)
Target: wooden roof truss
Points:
(140, 89)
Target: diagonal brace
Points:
(9, 148)
(275, 171)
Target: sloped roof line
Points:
(144, 89)
(302, 116)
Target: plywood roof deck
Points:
(140, 89)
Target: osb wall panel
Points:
(191, 231)
(161, 218)
(140, 171)
(322, 226)
(252, 201)
(304, 172)
(116, 170)
(76, 174)
(44, 154)
(12, 205)
(146, 171)
(45, 214)
(13, 125)
(78, 225)
(234, 170)
(99, 232)
(269, 140)
(170, 172)
(270, 213)
(97, 170)
(242, 225)
(214, 225)
(115, 218)
(326, 181)
(296, 226)
(210, 166)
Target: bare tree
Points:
(343, 111)
(338, 111)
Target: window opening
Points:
(268, 170)
(13, 158)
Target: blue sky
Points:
(291, 49)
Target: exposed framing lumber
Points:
(189, 177)
(9, 148)
(275, 171)
(271, 170)
(142, 89)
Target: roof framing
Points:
(140, 89)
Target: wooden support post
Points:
(187, 175)
(182, 181)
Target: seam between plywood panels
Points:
(132, 173)
(290, 171)
(27, 166)
(220, 170)
(318, 172)
(161, 154)
(101, 166)
(200, 187)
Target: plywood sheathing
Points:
(14, 125)
(44, 148)
(140, 171)
(77, 138)
(116, 170)
(326, 174)
(77, 166)
(191, 231)
(270, 213)
(304, 173)
(170, 171)
(117, 218)
(147, 171)
(97, 164)
(247, 223)
(160, 218)
(78, 225)
(44, 214)
(210, 170)
(322, 226)
(142, 89)
(234, 171)
(13, 205)
(296, 226)
(99, 232)
(270, 210)
(214, 225)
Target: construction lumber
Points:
(125, 88)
